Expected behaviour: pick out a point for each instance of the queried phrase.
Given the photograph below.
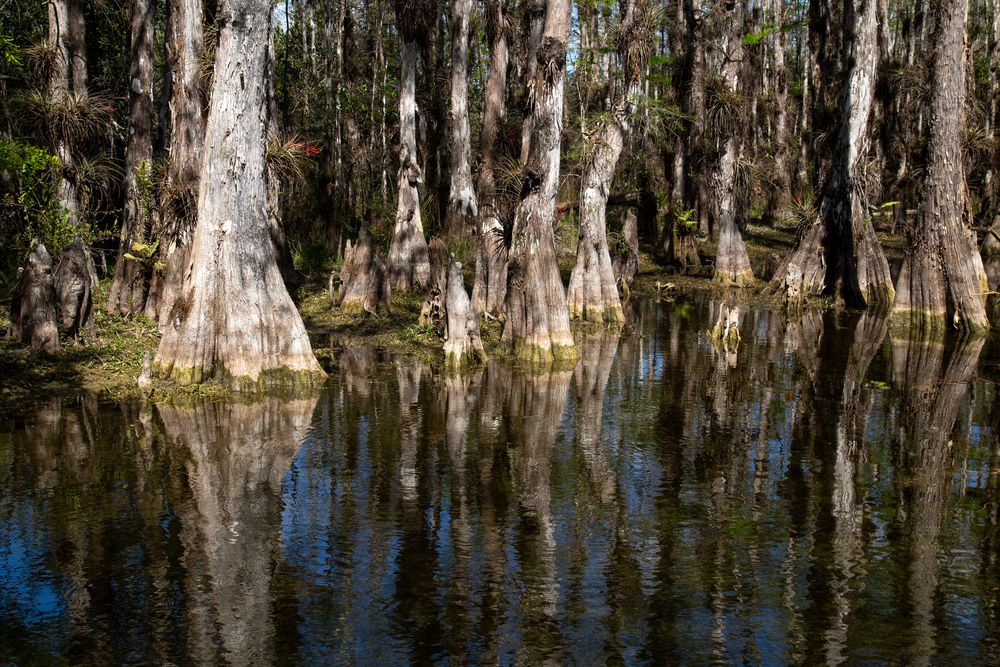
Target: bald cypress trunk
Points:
(840, 251)
(178, 205)
(490, 286)
(408, 263)
(462, 205)
(942, 279)
(537, 325)
(732, 264)
(128, 290)
(234, 320)
(593, 290)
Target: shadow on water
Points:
(817, 493)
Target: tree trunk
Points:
(490, 288)
(840, 252)
(625, 262)
(408, 262)
(537, 325)
(942, 277)
(33, 303)
(991, 264)
(732, 264)
(593, 293)
(74, 280)
(462, 344)
(783, 181)
(463, 208)
(234, 321)
(363, 281)
(128, 289)
(67, 77)
(187, 136)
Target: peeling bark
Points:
(235, 321)
(33, 303)
(537, 325)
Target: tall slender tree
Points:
(463, 208)
(409, 264)
(490, 286)
(175, 226)
(128, 289)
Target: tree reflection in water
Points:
(814, 495)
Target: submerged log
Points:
(74, 278)
(33, 305)
(462, 343)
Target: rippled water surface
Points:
(821, 493)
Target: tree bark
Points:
(593, 292)
(187, 137)
(840, 252)
(942, 275)
(537, 325)
(33, 303)
(408, 262)
(732, 264)
(463, 208)
(625, 262)
(74, 280)
(128, 289)
(490, 287)
(235, 321)
(363, 281)
(462, 344)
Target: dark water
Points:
(823, 493)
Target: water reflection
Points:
(817, 494)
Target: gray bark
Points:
(33, 303)
(128, 289)
(592, 293)
(408, 262)
(234, 321)
(463, 208)
(732, 264)
(840, 251)
(537, 325)
(75, 279)
(942, 273)
(462, 344)
(363, 280)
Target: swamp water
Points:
(821, 493)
